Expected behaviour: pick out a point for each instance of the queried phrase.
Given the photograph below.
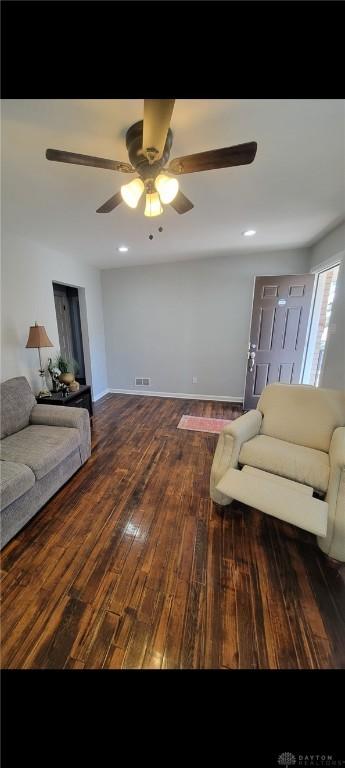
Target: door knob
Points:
(251, 358)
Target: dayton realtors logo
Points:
(286, 759)
(309, 761)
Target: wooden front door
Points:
(280, 314)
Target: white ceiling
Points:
(292, 193)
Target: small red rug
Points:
(203, 424)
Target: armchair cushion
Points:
(295, 462)
(302, 414)
(40, 447)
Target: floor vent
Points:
(142, 382)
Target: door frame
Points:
(330, 263)
(277, 274)
(83, 323)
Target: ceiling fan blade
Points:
(95, 162)
(181, 203)
(157, 116)
(110, 204)
(241, 154)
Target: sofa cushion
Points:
(40, 447)
(302, 414)
(304, 465)
(15, 480)
(17, 402)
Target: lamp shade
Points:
(38, 337)
(167, 188)
(131, 193)
(153, 205)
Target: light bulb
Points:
(167, 188)
(153, 205)
(131, 193)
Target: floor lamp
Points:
(37, 339)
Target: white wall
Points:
(28, 271)
(327, 252)
(174, 321)
(329, 248)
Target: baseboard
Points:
(182, 395)
(98, 397)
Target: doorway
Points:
(69, 326)
(320, 324)
(279, 326)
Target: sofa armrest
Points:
(228, 449)
(334, 543)
(65, 416)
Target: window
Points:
(320, 323)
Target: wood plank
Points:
(74, 664)
(102, 641)
(54, 655)
(174, 639)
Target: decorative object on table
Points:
(66, 378)
(203, 424)
(64, 389)
(67, 367)
(38, 339)
(74, 386)
(54, 373)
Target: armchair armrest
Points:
(245, 427)
(337, 449)
(63, 416)
(228, 449)
(334, 543)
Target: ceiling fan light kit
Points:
(148, 145)
(153, 205)
(131, 193)
(167, 187)
(166, 190)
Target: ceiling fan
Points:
(148, 145)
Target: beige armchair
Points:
(287, 459)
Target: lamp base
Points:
(44, 393)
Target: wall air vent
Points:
(142, 381)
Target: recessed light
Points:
(123, 248)
(249, 232)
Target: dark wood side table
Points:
(80, 399)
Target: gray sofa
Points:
(41, 447)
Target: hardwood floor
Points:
(131, 564)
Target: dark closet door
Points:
(64, 323)
(77, 335)
(69, 326)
